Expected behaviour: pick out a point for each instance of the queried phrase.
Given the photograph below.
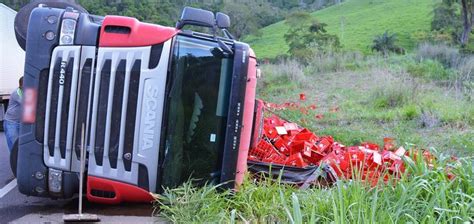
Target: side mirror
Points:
(196, 17)
(222, 20)
(223, 23)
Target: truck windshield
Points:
(197, 112)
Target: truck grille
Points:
(107, 103)
(60, 107)
(115, 148)
(112, 106)
(63, 101)
(83, 108)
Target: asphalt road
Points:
(18, 208)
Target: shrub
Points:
(322, 62)
(410, 112)
(307, 36)
(283, 72)
(433, 36)
(430, 69)
(386, 43)
(391, 96)
(428, 118)
(446, 55)
(463, 83)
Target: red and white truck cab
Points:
(158, 105)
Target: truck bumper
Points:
(33, 175)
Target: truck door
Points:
(197, 112)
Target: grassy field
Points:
(356, 22)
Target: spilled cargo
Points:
(287, 148)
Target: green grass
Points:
(356, 22)
(422, 195)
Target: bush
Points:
(428, 118)
(307, 36)
(433, 36)
(446, 55)
(386, 43)
(283, 72)
(463, 83)
(430, 69)
(392, 96)
(410, 112)
(322, 62)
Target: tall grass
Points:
(463, 83)
(446, 65)
(327, 62)
(448, 56)
(422, 195)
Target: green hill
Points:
(356, 22)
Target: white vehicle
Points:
(12, 57)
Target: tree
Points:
(445, 16)
(467, 11)
(454, 17)
(446, 25)
(250, 17)
(247, 17)
(16, 4)
(307, 36)
(386, 43)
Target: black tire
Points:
(14, 157)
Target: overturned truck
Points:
(158, 105)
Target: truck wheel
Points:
(14, 157)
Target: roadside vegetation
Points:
(368, 79)
(375, 97)
(422, 195)
(423, 99)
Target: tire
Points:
(14, 157)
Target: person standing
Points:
(12, 118)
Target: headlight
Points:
(55, 181)
(68, 28)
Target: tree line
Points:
(452, 24)
(247, 16)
